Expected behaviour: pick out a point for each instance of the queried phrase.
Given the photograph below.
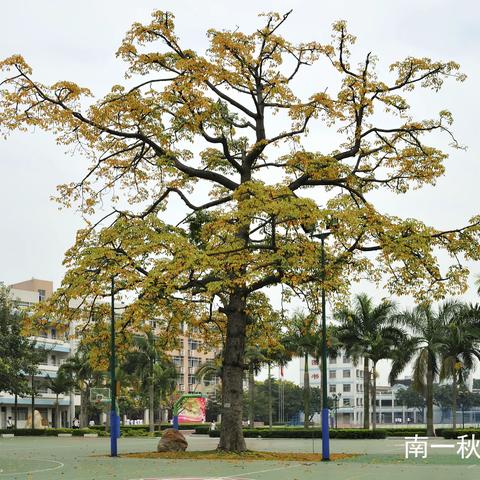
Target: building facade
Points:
(56, 348)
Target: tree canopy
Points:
(225, 132)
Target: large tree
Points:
(225, 132)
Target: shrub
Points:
(204, 429)
(404, 432)
(449, 433)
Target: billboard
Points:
(193, 410)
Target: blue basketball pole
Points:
(114, 418)
(325, 413)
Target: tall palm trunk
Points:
(15, 413)
(306, 393)
(430, 429)
(374, 397)
(251, 396)
(151, 399)
(83, 409)
(270, 413)
(57, 412)
(454, 399)
(33, 402)
(366, 394)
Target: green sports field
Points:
(52, 458)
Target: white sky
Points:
(77, 41)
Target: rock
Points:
(172, 441)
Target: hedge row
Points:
(306, 433)
(146, 428)
(78, 432)
(52, 432)
(449, 433)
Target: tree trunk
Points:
(454, 400)
(270, 413)
(33, 402)
(15, 413)
(366, 394)
(306, 393)
(57, 413)
(251, 396)
(231, 436)
(430, 429)
(151, 406)
(374, 397)
(83, 409)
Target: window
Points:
(193, 344)
(333, 359)
(177, 360)
(386, 403)
(22, 413)
(346, 359)
(53, 333)
(347, 387)
(53, 360)
(192, 380)
(194, 361)
(314, 362)
(346, 402)
(42, 388)
(346, 374)
(333, 388)
(41, 295)
(332, 374)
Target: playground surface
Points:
(78, 458)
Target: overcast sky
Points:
(74, 40)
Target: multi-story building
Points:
(56, 350)
(188, 358)
(345, 382)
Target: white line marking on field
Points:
(358, 476)
(259, 471)
(59, 465)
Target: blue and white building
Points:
(58, 349)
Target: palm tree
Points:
(425, 346)
(458, 352)
(254, 359)
(60, 384)
(142, 361)
(276, 355)
(302, 340)
(367, 331)
(81, 375)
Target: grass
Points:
(249, 455)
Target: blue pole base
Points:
(325, 436)
(175, 422)
(114, 432)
